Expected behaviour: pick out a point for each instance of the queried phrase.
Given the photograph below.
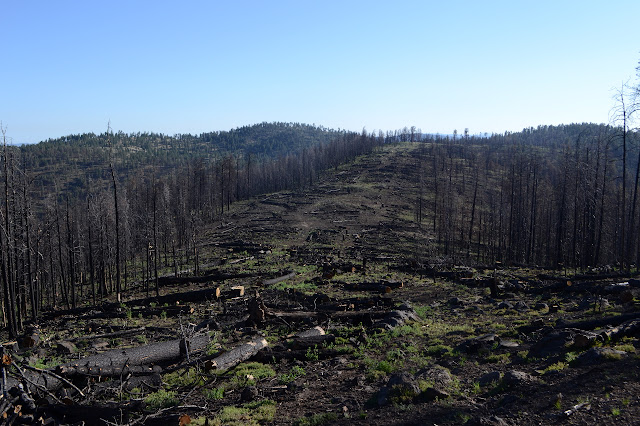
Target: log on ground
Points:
(149, 355)
(238, 354)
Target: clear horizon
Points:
(492, 67)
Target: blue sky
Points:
(195, 66)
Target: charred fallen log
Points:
(218, 276)
(238, 354)
(279, 279)
(148, 355)
(600, 322)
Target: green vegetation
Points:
(251, 414)
(293, 374)
(316, 419)
(183, 378)
(248, 373)
(215, 393)
(161, 399)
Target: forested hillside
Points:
(76, 164)
(555, 195)
(85, 216)
(85, 210)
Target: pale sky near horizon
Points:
(70, 67)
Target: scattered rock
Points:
(599, 355)
(508, 344)
(487, 421)
(505, 305)
(455, 301)
(66, 348)
(521, 306)
(553, 343)
(484, 342)
(541, 306)
(489, 378)
(433, 394)
(438, 376)
(626, 296)
(393, 319)
(250, 393)
(584, 340)
(516, 378)
(401, 387)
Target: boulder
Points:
(516, 378)
(505, 305)
(400, 388)
(599, 355)
(433, 394)
(438, 376)
(489, 378)
(484, 342)
(487, 421)
(66, 348)
(541, 306)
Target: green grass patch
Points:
(248, 373)
(183, 378)
(161, 399)
(316, 419)
(497, 358)
(251, 414)
(293, 374)
(215, 393)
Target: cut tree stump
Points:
(235, 291)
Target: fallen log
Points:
(172, 280)
(600, 322)
(238, 354)
(172, 298)
(312, 341)
(110, 370)
(148, 355)
(278, 279)
(312, 332)
(378, 313)
(96, 414)
(626, 329)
